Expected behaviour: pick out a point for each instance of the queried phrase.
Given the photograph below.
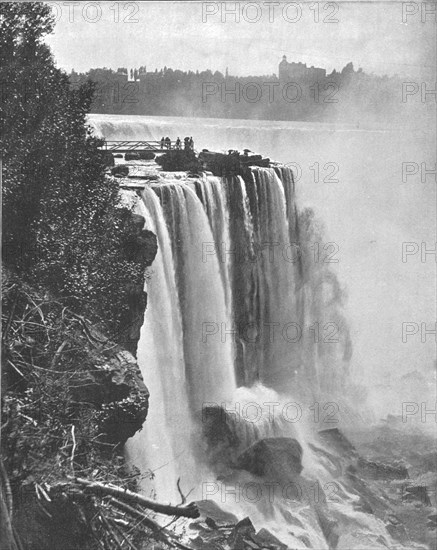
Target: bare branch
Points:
(189, 511)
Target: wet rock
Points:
(416, 493)
(361, 540)
(377, 470)
(427, 462)
(363, 505)
(198, 542)
(245, 526)
(277, 458)
(120, 170)
(336, 440)
(329, 526)
(269, 541)
(213, 511)
(211, 523)
(396, 528)
(220, 435)
(369, 499)
(242, 532)
(305, 540)
(432, 521)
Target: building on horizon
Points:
(299, 71)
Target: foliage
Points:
(54, 412)
(305, 93)
(63, 225)
(57, 426)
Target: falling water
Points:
(209, 364)
(244, 308)
(227, 303)
(166, 435)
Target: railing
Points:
(131, 146)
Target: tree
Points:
(63, 225)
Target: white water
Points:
(368, 211)
(188, 350)
(167, 434)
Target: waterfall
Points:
(234, 297)
(181, 367)
(231, 301)
(209, 364)
(166, 435)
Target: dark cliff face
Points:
(142, 248)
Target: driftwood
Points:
(160, 533)
(188, 511)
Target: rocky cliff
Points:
(71, 398)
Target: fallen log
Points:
(160, 533)
(188, 511)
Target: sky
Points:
(249, 38)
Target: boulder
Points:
(120, 170)
(132, 156)
(328, 525)
(220, 435)
(241, 535)
(146, 155)
(114, 385)
(268, 540)
(432, 521)
(179, 160)
(416, 493)
(277, 458)
(377, 470)
(336, 440)
(212, 510)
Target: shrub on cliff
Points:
(62, 224)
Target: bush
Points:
(63, 226)
(108, 158)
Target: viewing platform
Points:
(131, 146)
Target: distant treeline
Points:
(347, 95)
